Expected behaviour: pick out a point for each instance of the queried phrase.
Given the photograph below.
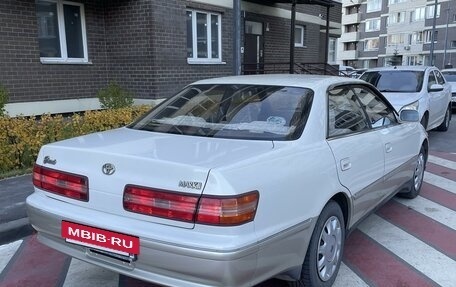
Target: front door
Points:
(253, 48)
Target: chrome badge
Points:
(190, 184)
(108, 169)
(48, 160)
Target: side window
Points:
(345, 114)
(379, 113)
(440, 78)
(431, 80)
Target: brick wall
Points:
(20, 69)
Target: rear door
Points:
(357, 148)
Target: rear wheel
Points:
(446, 121)
(326, 246)
(418, 176)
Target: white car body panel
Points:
(295, 179)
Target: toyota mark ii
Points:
(230, 182)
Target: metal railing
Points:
(284, 68)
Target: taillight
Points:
(159, 203)
(228, 210)
(210, 210)
(67, 184)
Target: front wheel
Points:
(418, 176)
(325, 250)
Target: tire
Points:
(417, 180)
(446, 121)
(325, 250)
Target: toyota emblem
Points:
(108, 168)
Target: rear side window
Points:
(398, 81)
(345, 114)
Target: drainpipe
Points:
(327, 37)
(292, 35)
(237, 37)
(431, 53)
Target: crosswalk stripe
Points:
(431, 209)
(439, 196)
(347, 277)
(430, 262)
(442, 162)
(439, 181)
(81, 273)
(379, 267)
(7, 251)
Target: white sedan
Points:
(230, 182)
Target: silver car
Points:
(420, 88)
(450, 77)
(230, 182)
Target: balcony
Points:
(349, 37)
(351, 19)
(348, 55)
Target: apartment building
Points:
(379, 33)
(56, 54)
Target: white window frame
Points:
(369, 40)
(372, 25)
(209, 59)
(373, 5)
(62, 35)
(332, 43)
(430, 11)
(428, 36)
(302, 41)
(419, 14)
(398, 39)
(396, 18)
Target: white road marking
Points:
(441, 161)
(439, 181)
(81, 273)
(418, 254)
(7, 251)
(431, 209)
(347, 277)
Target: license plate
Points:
(100, 238)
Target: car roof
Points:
(401, 68)
(448, 70)
(292, 80)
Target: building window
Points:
(396, 18)
(428, 36)
(372, 25)
(453, 44)
(416, 38)
(61, 31)
(414, 60)
(371, 44)
(395, 39)
(204, 41)
(332, 50)
(374, 5)
(300, 36)
(418, 14)
(430, 11)
(396, 1)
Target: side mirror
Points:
(409, 116)
(435, 88)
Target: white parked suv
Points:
(420, 88)
(450, 77)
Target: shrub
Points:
(22, 137)
(3, 99)
(114, 97)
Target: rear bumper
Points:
(162, 262)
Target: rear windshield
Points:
(395, 80)
(232, 111)
(450, 76)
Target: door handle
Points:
(345, 164)
(388, 147)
